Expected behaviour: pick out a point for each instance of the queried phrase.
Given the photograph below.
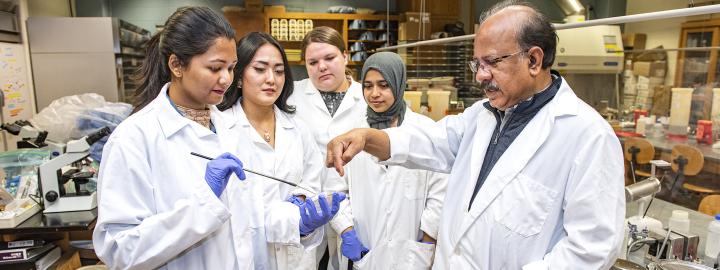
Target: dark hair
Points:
(188, 32)
(535, 30)
(324, 34)
(246, 48)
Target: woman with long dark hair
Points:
(158, 206)
(279, 145)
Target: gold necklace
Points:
(266, 136)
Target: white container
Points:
(679, 222)
(439, 101)
(712, 243)
(715, 112)
(680, 111)
(413, 98)
(640, 126)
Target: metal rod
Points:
(700, 49)
(260, 174)
(682, 12)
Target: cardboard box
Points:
(661, 101)
(634, 40)
(655, 81)
(650, 69)
(415, 26)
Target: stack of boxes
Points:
(630, 88)
(650, 78)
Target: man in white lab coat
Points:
(536, 174)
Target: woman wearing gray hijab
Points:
(395, 210)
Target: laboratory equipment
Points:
(621, 264)
(703, 132)
(679, 221)
(669, 244)
(52, 177)
(639, 225)
(712, 243)
(261, 174)
(676, 265)
(680, 112)
(32, 137)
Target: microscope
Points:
(32, 137)
(53, 178)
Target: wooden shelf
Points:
(327, 16)
(371, 29)
(367, 41)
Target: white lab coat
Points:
(392, 207)
(554, 200)
(294, 158)
(311, 109)
(155, 209)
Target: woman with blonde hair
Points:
(331, 103)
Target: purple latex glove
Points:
(351, 246)
(219, 170)
(310, 219)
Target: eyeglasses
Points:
(485, 65)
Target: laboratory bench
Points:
(59, 228)
(662, 210)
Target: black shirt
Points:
(509, 125)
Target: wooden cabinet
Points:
(342, 23)
(698, 67)
(441, 12)
(436, 8)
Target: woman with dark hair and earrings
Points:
(279, 145)
(159, 207)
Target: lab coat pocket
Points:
(525, 205)
(413, 186)
(418, 255)
(363, 263)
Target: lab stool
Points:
(686, 161)
(638, 151)
(710, 205)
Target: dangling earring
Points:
(239, 85)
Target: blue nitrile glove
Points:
(310, 219)
(351, 246)
(218, 171)
(296, 200)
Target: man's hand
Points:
(343, 148)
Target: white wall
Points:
(665, 32)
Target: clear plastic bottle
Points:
(679, 221)
(712, 243)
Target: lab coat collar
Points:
(352, 96)
(515, 157)
(171, 121)
(281, 119)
